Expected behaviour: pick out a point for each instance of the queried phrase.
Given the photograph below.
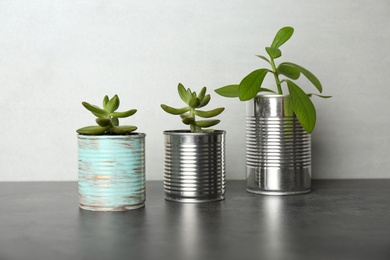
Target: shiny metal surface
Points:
(278, 149)
(194, 168)
(111, 172)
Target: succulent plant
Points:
(108, 118)
(189, 112)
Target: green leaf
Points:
(183, 93)
(288, 71)
(123, 129)
(174, 111)
(97, 111)
(114, 121)
(92, 130)
(105, 101)
(264, 58)
(202, 93)
(282, 36)
(194, 102)
(103, 121)
(250, 85)
(267, 90)
(207, 123)
(211, 113)
(313, 79)
(274, 53)
(112, 104)
(230, 91)
(287, 108)
(205, 101)
(124, 114)
(321, 96)
(188, 120)
(302, 106)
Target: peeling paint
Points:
(111, 178)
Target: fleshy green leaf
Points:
(211, 113)
(97, 111)
(264, 58)
(194, 102)
(205, 101)
(103, 121)
(207, 123)
(302, 106)
(188, 120)
(288, 71)
(202, 93)
(123, 129)
(112, 104)
(114, 121)
(125, 113)
(230, 91)
(282, 36)
(183, 93)
(105, 101)
(174, 111)
(250, 85)
(313, 79)
(92, 130)
(274, 53)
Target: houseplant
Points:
(111, 161)
(278, 124)
(194, 159)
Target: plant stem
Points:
(274, 71)
(192, 126)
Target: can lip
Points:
(272, 95)
(188, 132)
(127, 136)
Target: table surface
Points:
(339, 219)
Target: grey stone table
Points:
(339, 219)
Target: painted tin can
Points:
(278, 149)
(111, 172)
(194, 169)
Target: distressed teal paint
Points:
(111, 172)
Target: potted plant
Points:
(111, 161)
(278, 128)
(195, 158)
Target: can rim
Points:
(127, 136)
(188, 132)
(272, 95)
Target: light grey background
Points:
(55, 54)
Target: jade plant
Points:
(189, 112)
(108, 118)
(251, 85)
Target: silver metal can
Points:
(278, 149)
(194, 167)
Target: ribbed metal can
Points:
(111, 172)
(194, 166)
(278, 149)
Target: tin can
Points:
(194, 166)
(111, 172)
(278, 149)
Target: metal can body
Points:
(194, 166)
(111, 175)
(278, 149)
